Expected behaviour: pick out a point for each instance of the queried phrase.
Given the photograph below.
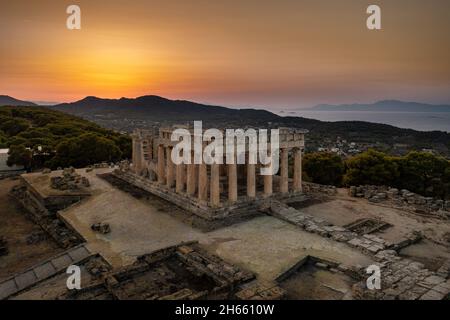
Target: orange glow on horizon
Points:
(252, 53)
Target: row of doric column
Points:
(193, 178)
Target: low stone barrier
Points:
(309, 187)
(402, 199)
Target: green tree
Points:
(373, 168)
(20, 156)
(425, 173)
(14, 126)
(324, 168)
(41, 130)
(85, 150)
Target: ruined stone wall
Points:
(309, 187)
(193, 274)
(402, 199)
(48, 220)
(402, 278)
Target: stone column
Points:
(251, 181)
(170, 168)
(268, 187)
(215, 185)
(232, 182)
(161, 165)
(179, 180)
(297, 186)
(191, 182)
(137, 156)
(284, 174)
(202, 182)
(134, 150)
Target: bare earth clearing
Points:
(16, 227)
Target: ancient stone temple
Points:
(216, 190)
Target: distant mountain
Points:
(127, 114)
(157, 108)
(385, 106)
(10, 101)
(46, 103)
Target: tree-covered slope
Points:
(38, 136)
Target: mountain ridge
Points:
(6, 100)
(125, 114)
(155, 107)
(384, 106)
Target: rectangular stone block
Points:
(432, 295)
(7, 288)
(25, 280)
(62, 262)
(441, 288)
(44, 271)
(79, 253)
(434, 280)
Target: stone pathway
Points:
(42, 271)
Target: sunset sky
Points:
(261, 53)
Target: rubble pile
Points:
(102, 228)
(97, 268)
(70, 180)
(36, 237)
(102, 165)
(404, 279)
(124, 165)
(309, 187)
(402, 199)
(261, 290)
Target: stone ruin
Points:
(309, 187)
(70, 180)
(124, 165)
(3, 247)
(43, 212)
(403, 278)
(183, 271)
(367, 226)
(213, 191)
(402, 199)
(103, 228)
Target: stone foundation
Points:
(309, 187)
(181, 272)
(46, 217)
(240, 208)
(401, 278)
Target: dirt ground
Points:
(311, 283)
(264, 245)
(15, 227)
